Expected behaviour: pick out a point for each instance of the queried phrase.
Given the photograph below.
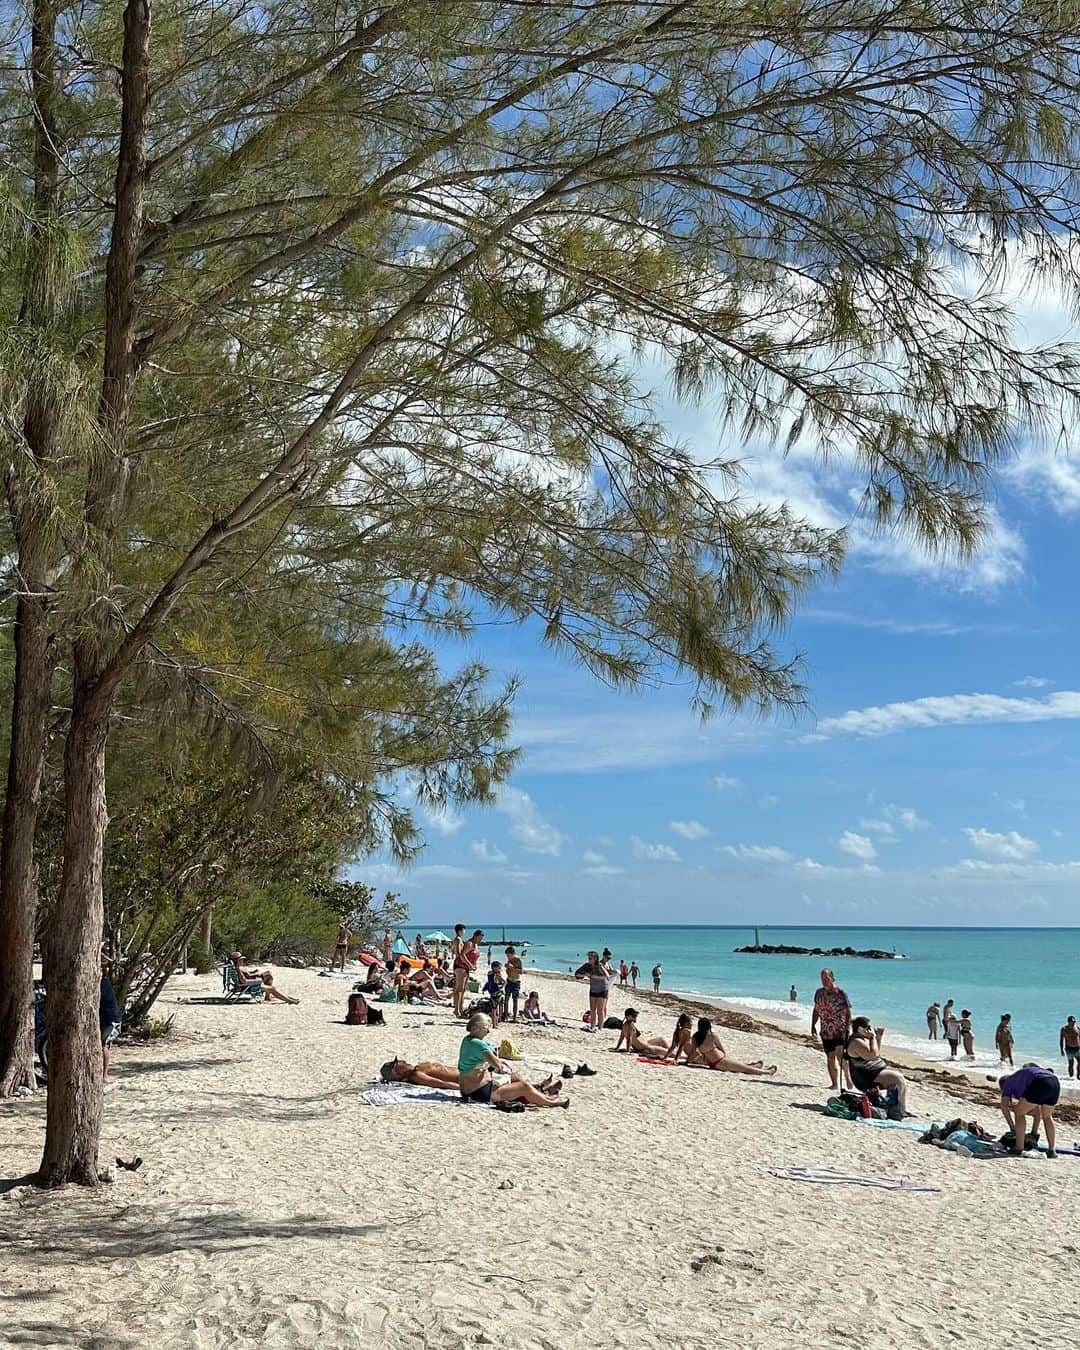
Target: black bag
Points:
(612, 1024)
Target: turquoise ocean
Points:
(1033, 973)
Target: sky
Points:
(931, 780)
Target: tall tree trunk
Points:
(73, 1118)
(18, 881)
(33, 658)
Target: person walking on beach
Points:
(967, 1034)
(793, 995)
(624, 971)
(634, 973)
(387, 947)
(657, 972)
(946, 1012)
(341, 951)
(952, 1029)
(1069, 1045)
(933, 1014)
(832, 1020)
(495, 988)
(1003, 1039)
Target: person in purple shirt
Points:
(1030, 1091)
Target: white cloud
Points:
(1049, 479)
(768, 801)
(652, 852)
(1016, 804)
(757, 852)
(591, 856)
(809, 868)
(689, 829)
(724, 782)
(486, 852)
(392, 875)
(1033, 682)
(948, 710)
(443, 819)
(601, 872)
(1011, 847)
(527, 825)
(858, 845)
(891, 816)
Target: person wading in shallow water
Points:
(832, 1021)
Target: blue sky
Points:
(932, 780)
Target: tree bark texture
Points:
(18, 881)
(73, 955)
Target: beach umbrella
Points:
(402, 948)
(436, 937)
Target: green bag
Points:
(839, 1108)
(474, 986)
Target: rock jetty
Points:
(767, 949)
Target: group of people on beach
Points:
(959, 1030)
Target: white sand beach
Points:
(275, 1209)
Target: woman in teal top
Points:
(477, 1059)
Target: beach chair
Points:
(236, 989)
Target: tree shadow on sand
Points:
(135, 1068)
(128, 1234)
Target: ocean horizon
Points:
(1031, 972)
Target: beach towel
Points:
(660, 1063)
(919, 1127)
(827, 1177)
(400, 1094)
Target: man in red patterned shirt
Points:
(832, 1014)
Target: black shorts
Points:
(1043, 1091)
(481, 1094)
(831, 1043)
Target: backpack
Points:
(357, 1013)
(837, 1107)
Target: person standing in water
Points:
(1003, 1039)
(933, 1013)
(635, 971)
(967, 1034)
(1069, 1045)
(793, 995)
(951, 1024)
(657, 972)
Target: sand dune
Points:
(275, 1209)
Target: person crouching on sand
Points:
(706, 1048)
(477, 1061)
(651, 1047)
(1030, 1091)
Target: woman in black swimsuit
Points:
(868, 1069)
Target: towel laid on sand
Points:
(398, 1094)
(918, 1127)
(824, 1175)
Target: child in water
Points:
(1003, 1039)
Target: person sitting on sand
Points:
(651, 1047)
(532, 1011)
(681, 1039)
(271, 992)
(1030, 1091)
(1003, 1039)
(477, 1061)
(706, 1048)
(868, 1070)
(423, 983)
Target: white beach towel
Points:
(827, 1177)
(398, 1094)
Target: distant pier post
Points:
(757, 939)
